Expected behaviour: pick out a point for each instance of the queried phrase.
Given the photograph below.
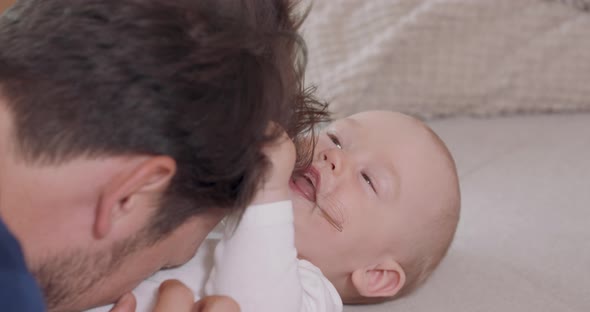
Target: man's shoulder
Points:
(11, 256)
(19, 292)
(18, 288)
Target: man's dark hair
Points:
(197, 80)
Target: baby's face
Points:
(372, 175)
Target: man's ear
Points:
(136, 187)
(383, 280)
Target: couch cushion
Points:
(448, 57)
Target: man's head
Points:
(387, 198)
(130, 127)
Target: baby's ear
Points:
(383, 280)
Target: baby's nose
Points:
(333, 159)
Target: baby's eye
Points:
(335, 140)
(368, 180)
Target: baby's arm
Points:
(257, 264)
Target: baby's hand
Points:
(275, 186)
(174, 296)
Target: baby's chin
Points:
(300, 203)
(303, 212)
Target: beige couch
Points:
(446, 57)
(490, 67)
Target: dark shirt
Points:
(19, 291)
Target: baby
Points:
(390, 184)
(368, 221)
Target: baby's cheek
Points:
(309, 236)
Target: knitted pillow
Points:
(446, 57)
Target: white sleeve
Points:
(257, 265)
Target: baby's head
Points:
(388, 202)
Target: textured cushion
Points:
(448, 57)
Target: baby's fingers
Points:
(174, 296)
(216, 304)
(127, 303)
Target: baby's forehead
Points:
(343, 122)
(379, 119)
(391, 127)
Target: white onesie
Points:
(256, 265)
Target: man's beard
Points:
(66, 279)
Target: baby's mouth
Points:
(306, 184)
